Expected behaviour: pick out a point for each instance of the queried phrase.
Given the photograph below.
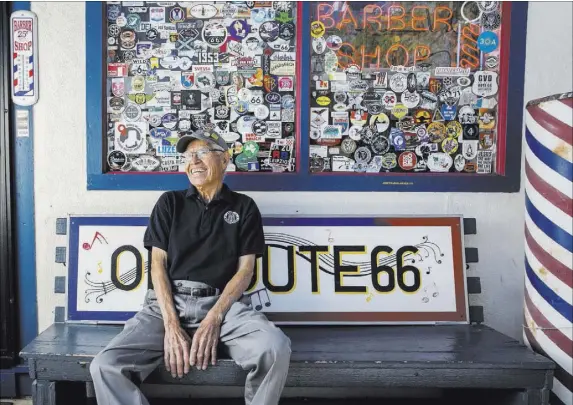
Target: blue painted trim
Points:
(556, 302)
(550, 229)
(25, 227)
(319, 221)
(302, 180)
(551, 159)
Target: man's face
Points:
(206, 169)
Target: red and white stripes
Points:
(548, 306)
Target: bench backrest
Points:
(386, 269)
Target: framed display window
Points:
(310, 96)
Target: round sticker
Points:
(214, 33)
(487, 6)
(260, 127)
(348, 146)
(261, 111)
(132, 112)
(459, 163)
(380, 144)
(450, 145)
(362, 155)
(250, 148)
(488, 41)
(116, 159)
(286, 31)
(381, 121)
(354, 132)
(269, 31)
(239, 29)
(317, 29)
(437, 131)
(389, 100)
(409, 99)
(334, 42)
(407, 160)
(399, 111)
(453, 129)
(398, 82)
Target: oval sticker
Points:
(323, 100)
(203, 11)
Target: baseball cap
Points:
(211, 137)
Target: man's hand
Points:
(205, 341)
(176, 345)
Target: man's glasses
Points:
(200, 153)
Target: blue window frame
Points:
(302, 180)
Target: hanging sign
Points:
(24, 51)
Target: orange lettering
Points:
(421, 52)
(442, 20)
(344, 21)
(470, 53)
(346, 56)
(421, 17)
(392, 17)
(372, 18)
(375, 55)
(325, 16)
(394, 58)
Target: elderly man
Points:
(204, 243)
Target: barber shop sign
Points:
(315, 270)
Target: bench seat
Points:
(419, 356)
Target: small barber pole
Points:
(548, 308)
(24, 47)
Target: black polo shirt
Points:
(204, 241)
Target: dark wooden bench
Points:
(441, 356)
(462, 362)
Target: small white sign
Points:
(24, 61)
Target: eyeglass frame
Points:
(187, 156)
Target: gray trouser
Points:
(252, 341)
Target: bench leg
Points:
(44, 392)
(531, 397)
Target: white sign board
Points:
(24, 51)
(315, 270)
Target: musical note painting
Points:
(112, 268)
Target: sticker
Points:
(130, 137)
(439, 162)
(448, 112)
(470, 149)
(484, 161)
(407, 160)
(362, 155)
(334, 42)
(487, 41)
(317, 29)
(487, 6)
(470, 132)
(319, 45)
(491, 21)
(202, 11)
(214, 33)
(486, 140)
(485, 83)
(491, 62)
(410, 99)
(398, 82)
(459, 163)
(348, 146)
(380, 121)
(454, 129)
(436, 132)
(399, 111)
(467, 115)
(116, 160)
(450, 145)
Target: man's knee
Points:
(277, 345)
(102, 362)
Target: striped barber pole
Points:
(548, 323)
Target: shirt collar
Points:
(223, 194)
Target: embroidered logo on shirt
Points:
(231, 217)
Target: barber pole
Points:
(548, 310)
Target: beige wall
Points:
(60, 165)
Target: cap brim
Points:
(184, 141)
